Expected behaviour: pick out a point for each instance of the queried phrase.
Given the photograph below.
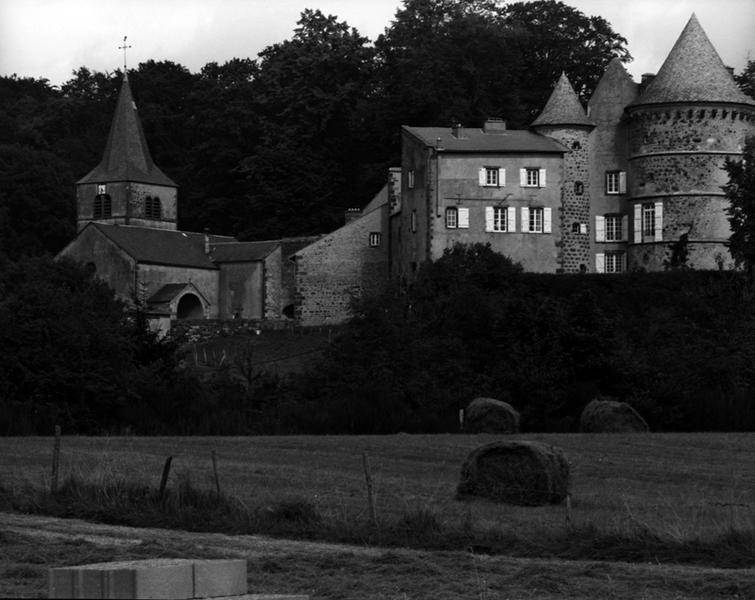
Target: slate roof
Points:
(242, 251)
(476, 140)
(563, 107)
(126, 156)
(166, 293)
(693, 72)
(161, 246)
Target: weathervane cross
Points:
(124, 48)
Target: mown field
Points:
(687, 490)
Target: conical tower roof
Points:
(127, 156)
(563, 107)
(693, 72)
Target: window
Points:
(375, 239)
(452, 218)
(579, 188)
(610, 262)
(536, 219)
(410, 179)
(413, 222)
(614, 262)
(492, 177)
(102, 188)
(152, 208)
(613, 228)
(103, 206)
(500, 219)
(532, 177)
(616, 182)
(648, 222)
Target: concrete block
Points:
(219, 578)
(151, 579)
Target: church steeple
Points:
(126, 187)
(127, 156)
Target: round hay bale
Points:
(605, 415)
(488, 415)
(516, 472)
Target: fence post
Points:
(164, 478)
(370, 491)
(215, 470)
(55, 461)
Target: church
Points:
(604, 189)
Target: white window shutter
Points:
(624, 228)
(622, 182)
(659, 221)
(488, 218)
(463, 214)
(502, 177)
(523, 177)
(600, 228)
(525, 219)
(542, 177)
(511, 219)
(481, 176)
(600, 263)
(637, 223)
(546, 220)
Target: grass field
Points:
(687, 490)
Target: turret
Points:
(688, 120)
(564, 120)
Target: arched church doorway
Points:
(189, 307)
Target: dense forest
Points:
(280, 145)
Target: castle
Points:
(604, 190)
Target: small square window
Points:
(102, 189)
(616, 182)
(533, 177)
(491, 176)
(375, 239)
(410, 179)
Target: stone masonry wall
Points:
(575, 208)
(339, 267)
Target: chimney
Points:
(456, 130)
(494, 125)
(206, 241)
(351, 214)
(647, 79)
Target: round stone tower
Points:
(564, 120)
(688, 120)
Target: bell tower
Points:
(127, 188)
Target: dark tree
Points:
(740, 191)
(306, 166)
(558, 38)
(746, 79)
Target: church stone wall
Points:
(207, 281)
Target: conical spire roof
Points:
(127, 156)
(563, 107)
(693, 72)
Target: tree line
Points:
(282, 143)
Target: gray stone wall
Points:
(574, 215)
(340, 266)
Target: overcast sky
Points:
(51, 38)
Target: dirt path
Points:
(30, 544)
